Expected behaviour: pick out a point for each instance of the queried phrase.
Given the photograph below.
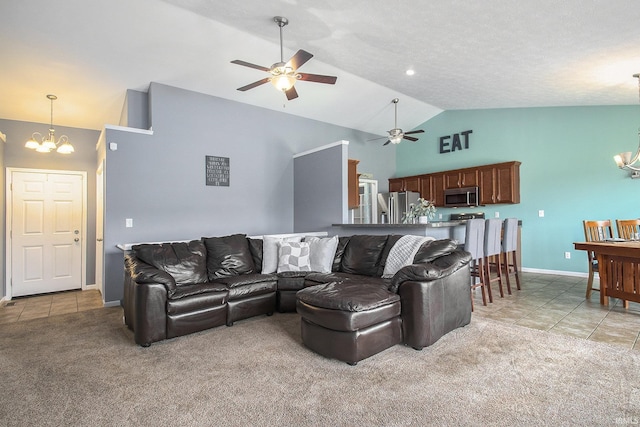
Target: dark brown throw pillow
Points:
(186, 262)
(228, 256)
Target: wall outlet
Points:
(567, 255)
(496, 215)
(128, 222)
(541, 213)
(439, 216)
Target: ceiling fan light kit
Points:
(284, 74)
(396, 135)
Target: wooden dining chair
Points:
(628, 228)
(595, 231)
(474, 244)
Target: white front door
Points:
(46, 232)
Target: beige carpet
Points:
(84, 369)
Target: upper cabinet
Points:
(499, 183)
(353, 184)
(410, 183)
(461, 178)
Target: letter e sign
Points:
(451, 143)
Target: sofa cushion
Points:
(434, 249)
(186, 262)
(347, 296)
(186, 291)
(270, 252)
(342, 245)
(293, 256)
(362, 255)
(255, 246)
(228, 256)
(322, 252)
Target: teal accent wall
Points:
(567, 170)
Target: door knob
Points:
(76, 240)
(99, 240)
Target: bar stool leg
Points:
(506, 270)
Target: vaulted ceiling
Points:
(466, 55)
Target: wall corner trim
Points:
(323, 147)
(128, 129)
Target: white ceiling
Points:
(466, 55)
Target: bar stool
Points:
(474, 244)
(509, 247)
(492, 249)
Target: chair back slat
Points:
(628, 228)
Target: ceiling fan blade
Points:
(318, 78)
(250, 65)
(299, 59)
(254, 84)
(414, 131)
(375, 139)
(291, 93)
(388, 141)
(410, 138)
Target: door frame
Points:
(9, 220)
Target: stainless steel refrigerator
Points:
(395, 204)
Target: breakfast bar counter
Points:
(437, 229)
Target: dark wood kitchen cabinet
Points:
(461, 178)
(411, 183)
(499, 183)
(353, 184)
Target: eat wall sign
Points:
(451, 143)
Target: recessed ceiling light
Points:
(410, 72)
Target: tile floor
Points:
(27, 308)
(557, 304)
(547, 302)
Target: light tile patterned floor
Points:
(27, 308)
(557, 304)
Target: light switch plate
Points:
(541, 213)
(128, 222)
(113, 146)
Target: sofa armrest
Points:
(141, 272)
(146, 291)
(438, 268)
(432, 308)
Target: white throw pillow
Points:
(293, 256)
(270, 252)
(322, 251)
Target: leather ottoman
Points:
(349, 321)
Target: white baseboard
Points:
(556, 272)
(4, 298)
(90, 287)
(112, 304)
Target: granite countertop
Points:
(433, 224)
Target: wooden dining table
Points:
(618, 268)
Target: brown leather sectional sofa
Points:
(349, 313)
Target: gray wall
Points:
(159, 181)
(83, 159)
(320, 189)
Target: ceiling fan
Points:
(396, 134)
(285, 74)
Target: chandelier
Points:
(49, 143)
(625, 160)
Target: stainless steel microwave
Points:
(461, 197)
